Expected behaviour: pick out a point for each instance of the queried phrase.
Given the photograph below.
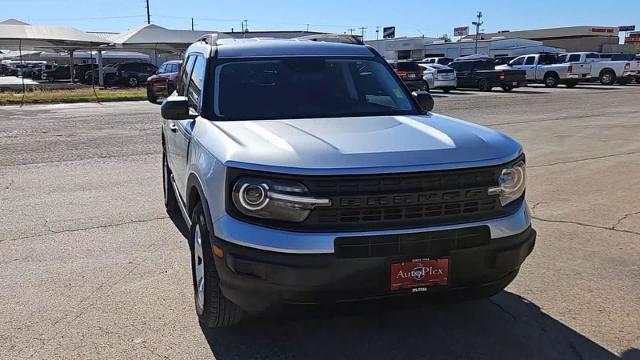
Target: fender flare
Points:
(194, 184)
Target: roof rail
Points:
(213, 38)
(337, 38)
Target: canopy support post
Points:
(22, 63)
(100, 71)
(72, 72)
(93, 78)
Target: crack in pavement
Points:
(623, 218)
(585, 159)
(51, 231)
(610, 228)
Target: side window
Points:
(518, 61)
(163, 68)
(592, 56)
(530, 60)
(184, 77)
(574, 58)
(196, 82)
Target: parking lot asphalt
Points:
(91, 266)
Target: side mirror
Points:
(424, 99)
(175, 108)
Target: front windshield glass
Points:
(286, 88)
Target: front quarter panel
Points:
(205, 167)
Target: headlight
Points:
(274, 199)
(511, 184)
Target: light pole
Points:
(478, 24)
(377, 31)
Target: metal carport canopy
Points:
(50, 37)
(156, 38)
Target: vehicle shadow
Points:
(506, 326)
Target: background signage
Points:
(627, 28)
(389, 32)
(461, 31)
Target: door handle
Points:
(173, 127)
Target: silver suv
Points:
(309, 174)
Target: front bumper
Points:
(259, 280)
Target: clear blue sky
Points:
(411, 17)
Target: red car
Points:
(163, 83)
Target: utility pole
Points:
(192, 27)
(362, 29)
(148, 14)
(478, 24)
(377, 32)
(351, 31)
(307, 27)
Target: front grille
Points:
(433, 243)
(392, 201)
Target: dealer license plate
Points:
(420, 273)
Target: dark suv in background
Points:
(129, 73)
(411, 74)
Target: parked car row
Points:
(485, 73)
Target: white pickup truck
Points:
(607, 72)
(546, 69)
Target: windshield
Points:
(286, 88)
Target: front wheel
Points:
(151, 96)
(213, 309)
(507, 88)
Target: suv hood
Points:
(356, 144)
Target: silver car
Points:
(440, 77)
(307, 173)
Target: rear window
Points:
(307, 87)
(547, 59)
(408, 66)
(485, 65)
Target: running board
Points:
(183, 209)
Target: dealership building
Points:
(573, 38)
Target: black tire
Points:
(484, 85)
(446, 90)
(51, 78)
(216, 310)
(507, 88)
(571, 83)
(607, 77)
(133, 81)
(170, 200)
(551, 80)
(151, 96)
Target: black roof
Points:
(293, 47)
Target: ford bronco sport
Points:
(307, 173)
